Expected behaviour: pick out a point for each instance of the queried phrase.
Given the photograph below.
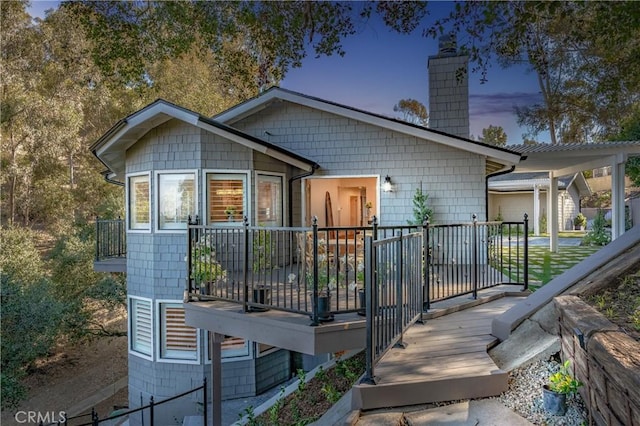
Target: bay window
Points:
(176, 199)
(269, 200)
(226, 198)
(140, 326)
(178, 341)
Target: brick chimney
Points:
(449, 89)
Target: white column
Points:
(552, 206)
(617, 196)
(536, 210)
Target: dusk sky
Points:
(381, 67)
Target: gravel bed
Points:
(525, 396)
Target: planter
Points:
(261, 295)
(324, 309)
(553, 402)
(362, 299)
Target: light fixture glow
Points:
(386, 185)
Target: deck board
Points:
(445, 358)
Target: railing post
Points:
(374, 224)
(120, 237)
(97, 238)
(426, 259)
(151, 403)
(475, 256)
(245, 266)
(190, 232)
(369, 284)
(204, 403)
(314, 226)
(399, 298)
(94, 417)
(526, 251)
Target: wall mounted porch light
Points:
(386, 185)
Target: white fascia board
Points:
(146, 119)
(255, 146)
(248, 108)
(522, 184)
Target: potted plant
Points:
(554, 393)
(205, 270)
(230, 211)
(580, 222)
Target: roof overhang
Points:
(568, 159)
(111, 148)
(497, 159)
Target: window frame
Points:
(130, 327)
(246, 199)
(173, 357)
(230, 356)
(158, 174)
(128, 213)
(283, 194)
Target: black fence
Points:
(111, 238)
(307, 270)
(394, 293)
(149, 410)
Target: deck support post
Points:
(215, 348)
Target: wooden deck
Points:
(444, 359)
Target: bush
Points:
(31, 319)
(598, 235)
(19, 257)
(421, 211)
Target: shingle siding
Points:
(454, 179)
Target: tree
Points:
(630, 131)
(412, 111)
(583, 54)
(494, 135)
(421, 211)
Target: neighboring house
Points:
(514, 194)
(275, 159)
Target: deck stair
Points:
(444, 359)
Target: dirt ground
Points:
(73, 374)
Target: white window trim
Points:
(130, 330)
(156, 197)
(284, 194)
(126, 207)
(232, 358)
(205, 195)
(158, 346)
(265, 353)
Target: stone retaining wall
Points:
(604, 359)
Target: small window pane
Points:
(141, 326)
(139, 202)
(270, 200)
(178, 341)
(226, 195)
(232, 347)
(176, 200)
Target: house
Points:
(278, 159)
(514, 194)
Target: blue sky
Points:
(381, 67)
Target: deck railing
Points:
(467, 257)
(318, 271)
(394, 293)
(111, 238)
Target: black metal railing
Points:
(464, 258)
(149, 409)
(289, 269)
(394, 293)
(111, 238)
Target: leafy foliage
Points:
(494, 135)
(562, 382)
(598, 235)
(421, 211)
(412, 111)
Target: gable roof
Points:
(497, 158)
(111, 147)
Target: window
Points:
(226, 198)
(177, 340)
(232, 347)
(139, 202)
(141, 326)
(269, 200)
(176, 200)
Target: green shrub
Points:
(598, 235)
(421, 211)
